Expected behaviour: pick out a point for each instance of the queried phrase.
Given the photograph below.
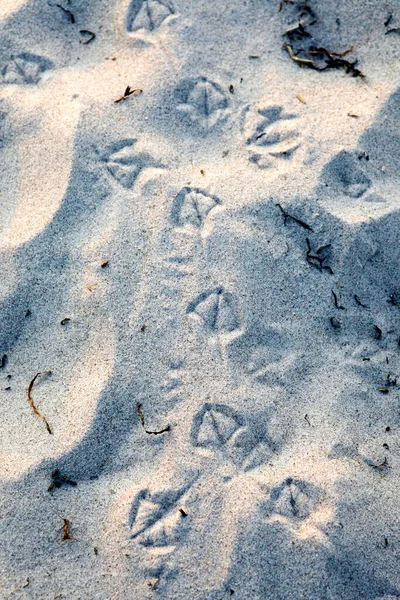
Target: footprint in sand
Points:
(216, 310)
(192, 206)
(202, 102)
(270, 134)
(125, 164)
(148, 14)
(223, 431)
(24, 69)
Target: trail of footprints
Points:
(160, 520)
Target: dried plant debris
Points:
(357, 299)
(336, 302)
(59, 480)
(66, 535)
(3, 361)
(30, 399)
(141, 417)
(67, 13)
(128, 93)
(287, 216)
(88, 35)
(318, 258)
(302, 48)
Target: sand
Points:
(206, 276)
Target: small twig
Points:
(90, 34)
(128, 93)
(141, 417)
(30, 399)
(66, 530)
(388, 20)
(357, 299)
(59, 480)
(395, 30)
(287, 216)
(335, 299)
(68, 13)
(316, 260)
(329, 53)
(303, 62)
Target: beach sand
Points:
(200, 299)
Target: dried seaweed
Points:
(68, 13)
(30, 399)
(303, 62)
(59, 480)
(90, 34)
(315, 259)
(287, 216)
(3, 361)
(395, 30)
(357, 299)
(66, 530)
(141, 417)
(302, 49)
(388, 20)
(335, 300)
(128, 93)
